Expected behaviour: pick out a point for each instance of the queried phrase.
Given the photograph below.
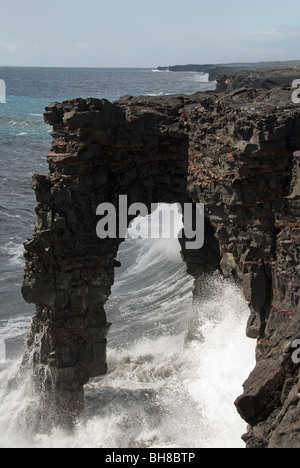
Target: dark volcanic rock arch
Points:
(99, 152)
(239, 154)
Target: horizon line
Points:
(148, 67)
(76, 67)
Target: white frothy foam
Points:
(175, 368)
(202, 77)
(14, 328)
(14, 252)
(163, 392)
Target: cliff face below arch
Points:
(239, 154)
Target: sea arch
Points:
(101, 153)
(238, 153)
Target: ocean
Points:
(163, 388)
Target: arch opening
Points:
(167, 351)
(151, 281)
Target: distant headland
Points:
(215, 69)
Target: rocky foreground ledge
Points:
(237, 152)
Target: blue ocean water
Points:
(159, 391)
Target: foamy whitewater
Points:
(175, 368)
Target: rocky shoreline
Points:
(213, 70)
(259, 79)
(238, 152)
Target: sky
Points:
(151, 33)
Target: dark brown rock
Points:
(236, 152)
(264, 79)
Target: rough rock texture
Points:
(236, 152)
(214, 70)
(264, 79)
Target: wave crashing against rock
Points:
(237, 152)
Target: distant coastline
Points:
(214, 70)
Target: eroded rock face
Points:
(268, 78)
(239, 154)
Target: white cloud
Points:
(263, 34)
(7, 47)
(282, 34)
(84, 46)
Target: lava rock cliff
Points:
(237, 152)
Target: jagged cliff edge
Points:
(239, 153)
